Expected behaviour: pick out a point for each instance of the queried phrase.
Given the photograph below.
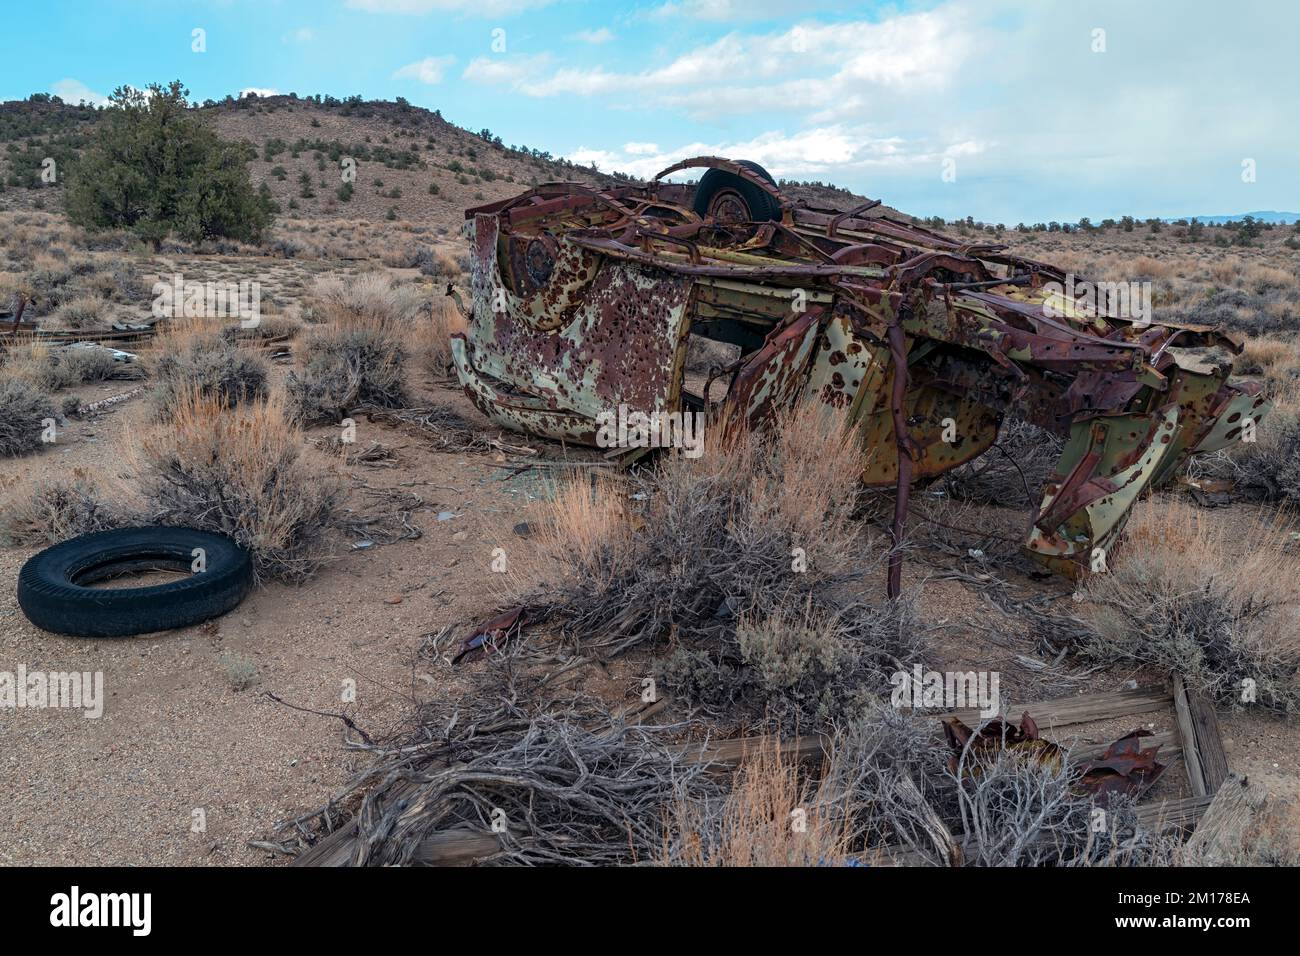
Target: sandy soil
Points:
(177, 738)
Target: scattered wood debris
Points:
(444, 428)
(374, 455)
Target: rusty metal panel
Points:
(772, 378)
(618, 346)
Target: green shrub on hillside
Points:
(156, 169)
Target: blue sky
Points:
(1006, 110)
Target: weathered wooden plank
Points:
(337, 848)
(1209, 741)
(1080, 709)
(1221, 834)
(1187, 733)
(456, 848)
(733, 751)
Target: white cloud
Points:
(819, 153)
(730, 10)
(834, 67)
(595, 37)
(429, 70)
(74, 91)
(505, 70)
(300, 35)
(1041, 126)
(482, 8)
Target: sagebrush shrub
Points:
(238, 472)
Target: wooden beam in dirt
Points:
(733, 752)
(444, 848)
(332, 850)
(1207, 764)
(1221, 834)
(1080, 709)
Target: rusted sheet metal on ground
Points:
(584, 300)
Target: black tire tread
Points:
(762, 205)
(53, 603)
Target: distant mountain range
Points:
(1264, 215)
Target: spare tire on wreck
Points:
(54, 591)
(729, 198)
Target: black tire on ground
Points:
(53, 592)
(734, 199)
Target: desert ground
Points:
(240, 718)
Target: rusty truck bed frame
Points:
(583, 300)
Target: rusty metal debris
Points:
(994, 737)
(483, 638)
(584, 299)
(1125, 767)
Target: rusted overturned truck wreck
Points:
(584, 299)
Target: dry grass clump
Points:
(892, 777)
(52, 369)
(429, 261)
(361, 358)
(193, 357)
(435, 265)
(887, 794)
(431, 338)
(84, 314)
(1276, 360)
(714, 536)
(1188, 596)
(883, 776)
(49, 511)
(1227, 270)
(238, 472)
(1270, 465)
(1262, 278)
(373, 298)
(1152, 268)
(82, 365)
(587, 518)
(275, 326)
(1020, 810)
(740, 556)
(76, 294)
(1270, 312)
(24, 410)
(771, 817)
(33, 363)
(357, 362)
(795, 667)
